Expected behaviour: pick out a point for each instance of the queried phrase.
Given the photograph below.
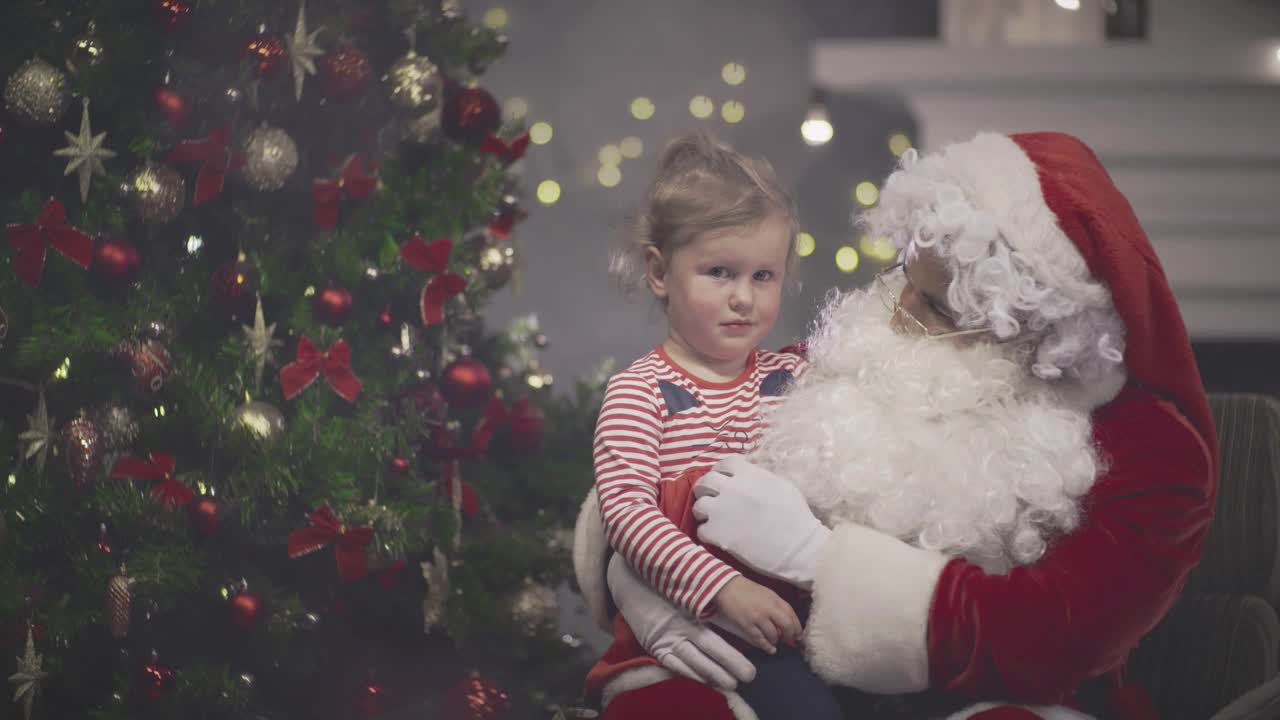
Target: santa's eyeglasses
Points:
(893, 304)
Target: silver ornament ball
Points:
(158, 193)
(414, 84)
(271, 156)
(262, 419)
(38, 93)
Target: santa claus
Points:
(994, 477)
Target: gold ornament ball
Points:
(414, 84)
(534, 607)
(263, 420)
(158, 193)
(271, 156)
(38, 93)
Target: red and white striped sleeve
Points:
(626, 456)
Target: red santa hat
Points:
(1057, 206)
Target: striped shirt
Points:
(657, 422)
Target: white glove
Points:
(761, 519)
(680, 643)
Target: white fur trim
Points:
(640, 677)
(869, 621)
(998, 177)
(590, 558)
(1055, 712)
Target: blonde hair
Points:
(702, 185)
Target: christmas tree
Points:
(260, 457)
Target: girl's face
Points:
(723, 289)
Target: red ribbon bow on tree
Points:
(167, 491)
(495, 416)
(348, 542)
(352, 181)
(433, 257)
(334, 364)
(32, 242)
(508, 152)
(212, 152)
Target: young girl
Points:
(715, 240)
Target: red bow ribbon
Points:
(495, 416)
(334, 364)
(212, 152)
(504, 220)
(508, 152)
(348, 542)
(32, 242)
(167, 491)
(352, 181)
(433, 257)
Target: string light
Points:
(548, 192)
(701, 107)
(64, 370)
(631, 147)
(898, 144)
(733, 111)
(642, 108)
(866, 193)
(517, 108)
(816, 128)
(540, 133)
(495, 18)
(610, 155)
(609, 175)
(805, 244)
(847, 259)
(1068, 4)
(311, 290)
(733, 73)
(13, 479)
(194, 243)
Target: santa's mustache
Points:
(953, 448)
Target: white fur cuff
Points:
(868, 626)
(1055, 712)
(590, 557)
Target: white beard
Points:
(952, 449)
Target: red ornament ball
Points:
(204, 515)
(172, 14)
(526, 429)
(116, 263)
(470, 115)
(386, 319)
(466, 383)
(235, 285)
(156, 680)
(399, 464)
(172, 105)
(246, 608)
(148, 361)
(332, 305)
(266, 55)
(344, 72)
(479, 698)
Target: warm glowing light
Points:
(631, 147)
(877, 248)
(540, 133)
(64, 370)
(517, 107)
(495, 18)
(609, 175)
(733, 73)
(701, 107)
(866, 193)
(311, 290)
(642, 108)
(548, 192)
(817, 130)
(1068, 4)
(805, 244)
(610, 155)
(194, 243)
(898, 144)
(847, 259)
(733, 111)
